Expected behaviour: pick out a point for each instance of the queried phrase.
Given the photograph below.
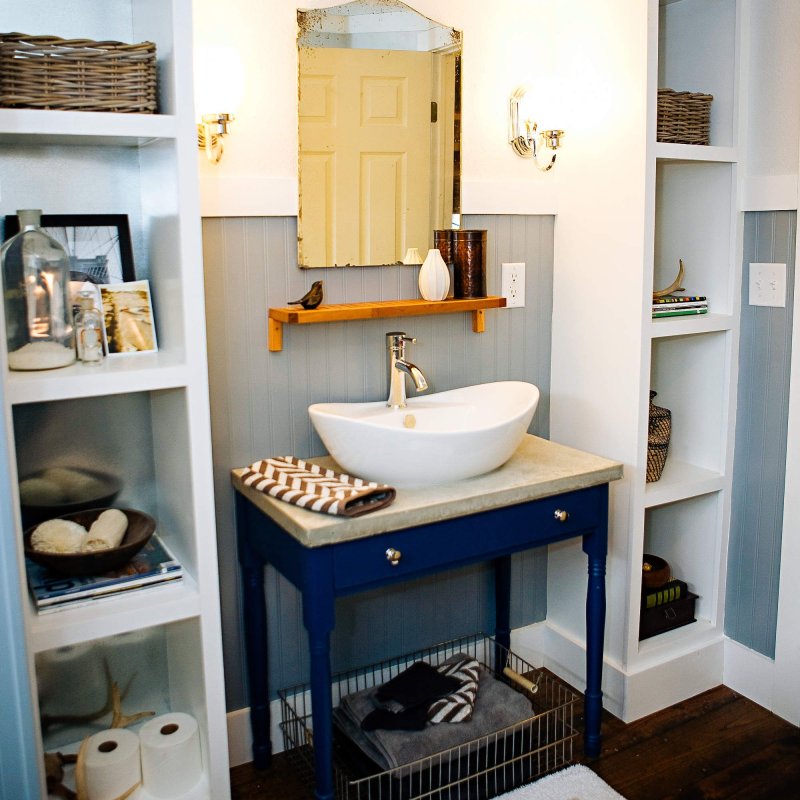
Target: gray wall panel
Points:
(259, 401)
(760, 455)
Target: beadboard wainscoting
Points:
(259, 406)
(761, 429)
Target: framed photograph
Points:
(98, 245)
(128, 318)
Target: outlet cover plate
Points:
(513, 284)
(768, 285)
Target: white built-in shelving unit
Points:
(691, 362)
(143, 418)
(630, 209)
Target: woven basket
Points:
(658, 432)
(683, 117)
(77, 74)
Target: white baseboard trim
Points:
(750, 673)
(545, 644)
(628, 695)
(240, 738)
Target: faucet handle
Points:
(398, 338)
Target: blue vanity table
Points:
(545, 493)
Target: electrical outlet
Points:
(768, 285)
(513, 284)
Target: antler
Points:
(675, 286)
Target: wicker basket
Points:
(76, 74)
(683, 117)
(658, 432)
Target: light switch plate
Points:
(768, 285)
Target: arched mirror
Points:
(379, 132)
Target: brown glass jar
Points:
(469, 263)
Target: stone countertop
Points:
(539, 468)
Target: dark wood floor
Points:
(716, 745)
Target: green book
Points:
(668, 593)
(679, 313)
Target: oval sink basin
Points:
(438, 438)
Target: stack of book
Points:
(668, 593)
(153, 565)
(675, 306)
(665, 608)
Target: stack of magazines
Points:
(153, 565)
(677, 306)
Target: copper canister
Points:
(443, 242)
(469, 263)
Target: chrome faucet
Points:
(399, 368)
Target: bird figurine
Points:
(312, 298)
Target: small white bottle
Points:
(88, 330)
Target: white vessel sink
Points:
(440, 438)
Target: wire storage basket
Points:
(683, 117)
(48, 72)
(488, 765)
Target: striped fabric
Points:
(458, 706)
(315, 488)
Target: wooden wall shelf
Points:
(291, 315)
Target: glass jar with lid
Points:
(39, 328)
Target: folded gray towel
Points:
(497, 706)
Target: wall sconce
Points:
(210, 132)
(219, 80)
(523, 136)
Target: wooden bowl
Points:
(655, 571)
(141, 527)
(103, 490)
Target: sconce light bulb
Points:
(523, 136)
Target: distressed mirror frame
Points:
(371, 235)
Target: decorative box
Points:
(666, 617)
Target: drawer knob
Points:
(561, 515)
(393, 556)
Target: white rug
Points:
(573, 783)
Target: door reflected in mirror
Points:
(379, 133)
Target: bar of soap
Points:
(58, 536)
(107, 531)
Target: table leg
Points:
(595, 546)
(255, 632)
(318, 618)
(502, 609)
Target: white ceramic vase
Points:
(434, 277)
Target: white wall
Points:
(512, 42)
(773, 122)
(598, 285)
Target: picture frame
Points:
(98, 245)
(128, 319)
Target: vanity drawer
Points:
(413, 552)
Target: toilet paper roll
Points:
(171, 762)
(111, 763)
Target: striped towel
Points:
(458, 706)
(315, 488)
